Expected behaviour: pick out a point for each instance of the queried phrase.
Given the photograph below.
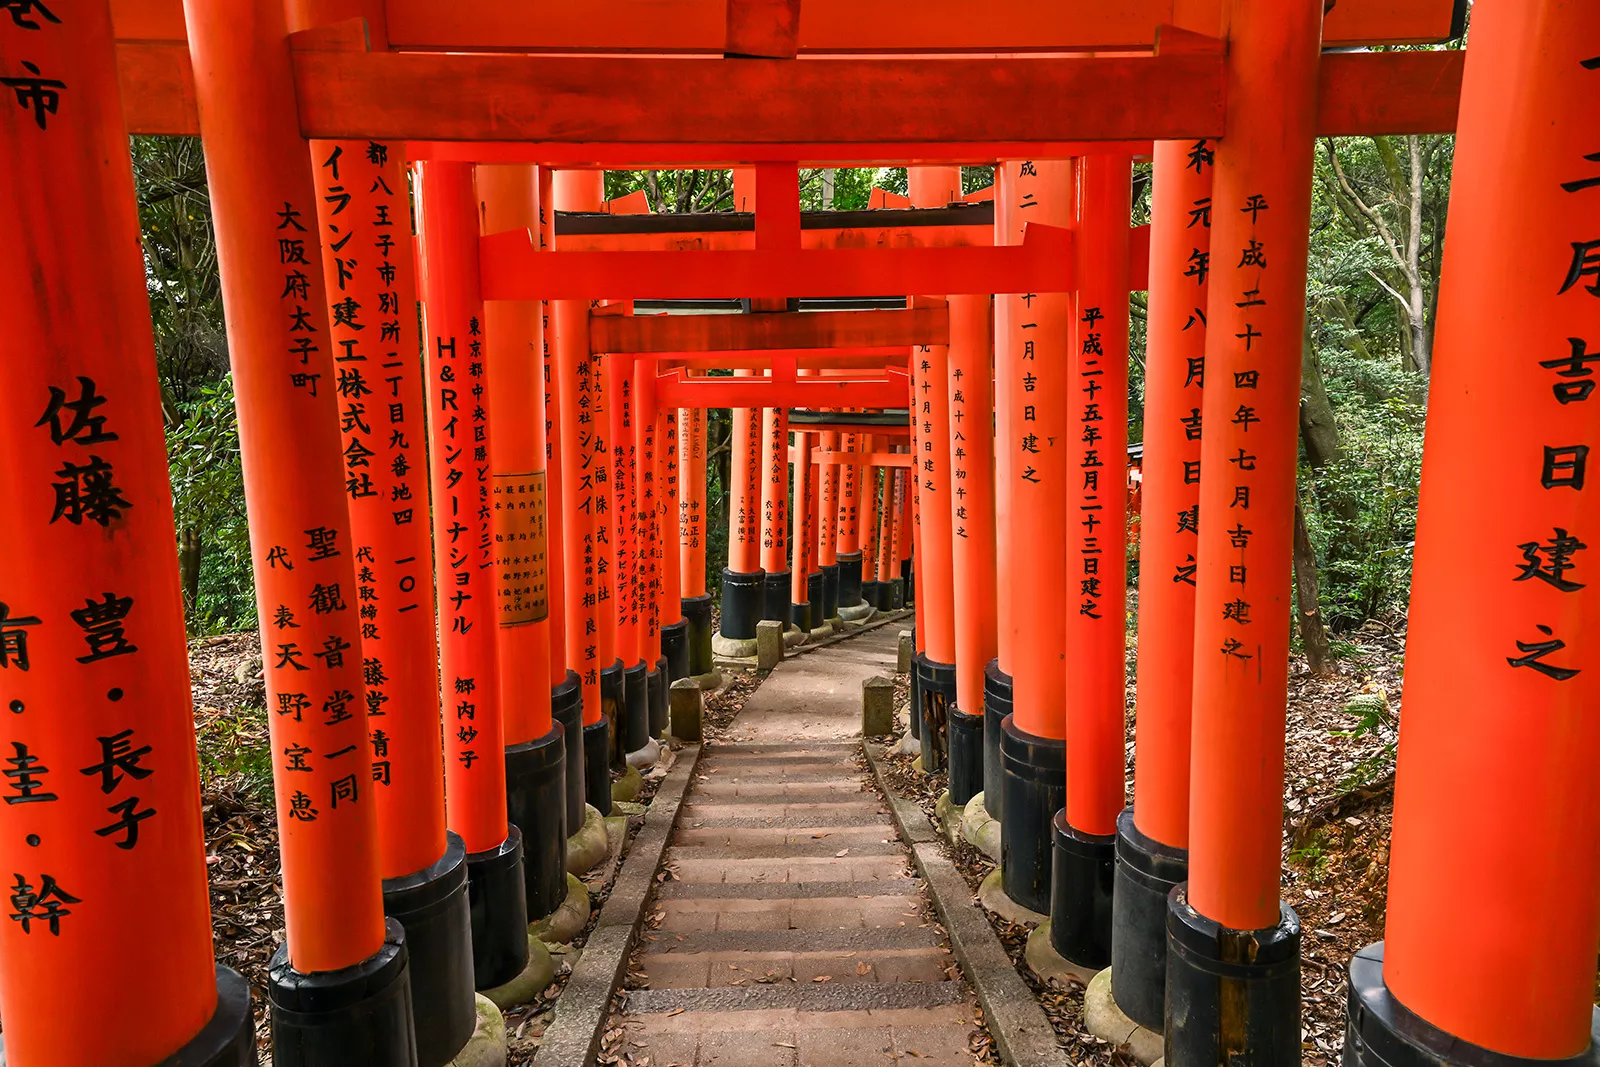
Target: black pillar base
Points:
(936, 692)
(1034, 784)
(849, 579)
(776, 598)
(359, 1014)
(830, 591)
(697, 613)
(1382, 1032)
(914, 708)
(1082, 880)
(1233, 996)
(996, 706)
(636, 686)
(800, 617)
(497, 894)
(566, 708)
(869, 591)
(657, 682)
(431, 906)
(228, 1039)
(908, 575)
(966, 755)
(1147, 872)
(614, 710)
(743, 600)
(597, 765)
(891, 595)
(536, 804)
(675, 649)
(816, 587)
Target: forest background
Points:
(1377, 227)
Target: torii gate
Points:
(387, 862)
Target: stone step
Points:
(808, 997)
(803, 913)
(800, 869)
(785, 1037)
(728, 837)
(775, 847)
(912, 935)
(795, 813)
(675, 890)
(757, 787)
(703, 970)
(879, 818)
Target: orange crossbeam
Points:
(512, 271)
(601, 111)
(782, 390)
(861, 459)
(768, 330)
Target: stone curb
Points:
(574, 1034)
(854, 996)
(1022, 1034)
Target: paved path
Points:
(794, 934)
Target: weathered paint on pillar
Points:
(800, 568)
(364, 212)
(555, 548)
(514, 341)
(848, 527)
(828, 514)
(969, 388)
(1097, 509)
(1494, 873)
(617, 383)
(692, 506)
(1036, 358)
(577, 404)
(774, 489)
(462, 481)
(1261, 210)
(669, 469)
(103, 850)
(1180, 241)
(888, 523)
(1006, 231)
(647, 535)
(263, 202)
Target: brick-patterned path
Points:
(795, 933)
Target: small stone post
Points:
(769, 644)
(877, 706)
(903, 663)
(687, 702)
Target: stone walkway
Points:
(795, 933)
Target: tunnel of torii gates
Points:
(509, 532)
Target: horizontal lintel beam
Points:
(674, 389)
(861, 459)
(611, 110)
(776, 330)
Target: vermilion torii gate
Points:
(425, 787)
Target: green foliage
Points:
(208, 497)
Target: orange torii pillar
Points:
(888, 538)
(800, 602)
(340, 979)
(847, 548)
(364, 210)
(903, 549)
(816, 581)
(1085, 829)
(743, 591)
(566, 685)
(775, 514)
(828, 529)
(1036, 357)
(583, 486)
(649, 424)
(464, 566)
(969, 389)
(935, 661)
(536, 752)
(870, 489)
(695, 598)
(1228, 920)
(1494, 871)
(632, 721)
(669, 591)
(1153, 835)
(102, 800)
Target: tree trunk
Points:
(190, 551)
(1318, 428)
(1313, 635)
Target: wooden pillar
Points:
(106, 880)
(800, 565)
(1261, 210)
(692, 504)
(775, 512)
(1493, 875)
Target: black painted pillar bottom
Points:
(996, 706)
(1034, 784)
(743, 605)
(800, 617)
(614, 710)
(657, 682)
(1232, 995)
(498, 897)
(431, 906)
(1382, 1032)
(597, 765)
(830, 591)
(775, 598)
(936, 692)
(849, 579)
(908, 575)
(1147, 872)
(697, 613)
(566, 707)
(966, 755)
(358, 1014)
(536, 804)
(869, 592)
(815, 585)
(636, 687)
(1081, 885)
(228, 1038)
(675, 649)
(914, 709)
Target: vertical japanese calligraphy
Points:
(692, 505)
(969, 389)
